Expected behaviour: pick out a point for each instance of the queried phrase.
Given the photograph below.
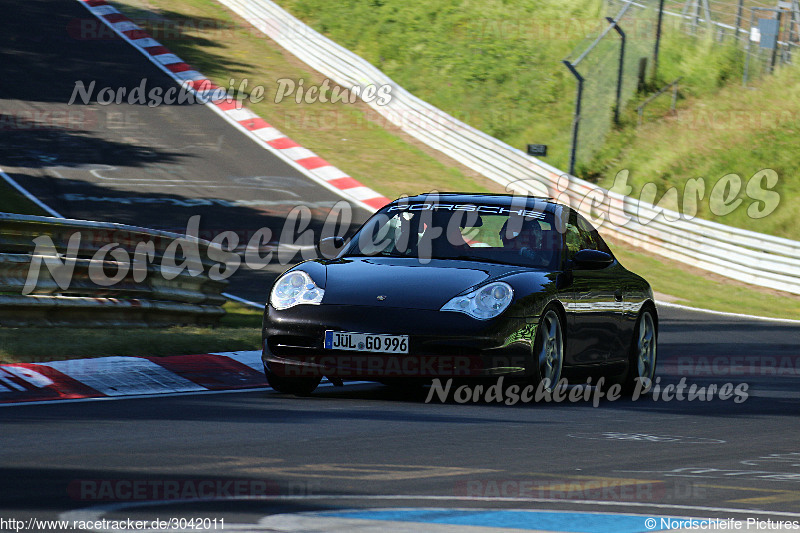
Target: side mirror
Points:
(592, 260)
(329, 247)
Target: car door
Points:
(596, 305)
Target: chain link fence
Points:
(610, 66)
(766, 32)
(608, 69)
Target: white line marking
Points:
(96, 512)
(279, 153)
(775, 394)
(311, 521)
(362, 193)
(145, 42)
(104, 10)
(167, 394)
(241, 114)
(168, 59)
(188, 75)
(28, 195)
(298, 152)
(268, 134)
(242, 301)
(124, 25)
(301, 169)
(724, 313)
(136, 396)
(330, 173)
(251, 358)
(124, 376)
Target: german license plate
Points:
(366, 342)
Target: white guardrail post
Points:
(747, 256)
(147, 293)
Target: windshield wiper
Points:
(385, 253)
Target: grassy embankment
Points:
(496, 65)
(239, 329)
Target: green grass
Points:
(730, 131)
(239, 330)
(13, 202)
(697, 288)
(494, 64)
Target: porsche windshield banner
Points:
(469, 208)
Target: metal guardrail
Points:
(148, 293)
(747, 256)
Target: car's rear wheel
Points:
(548, 351)
(642, 358)
(296, 386)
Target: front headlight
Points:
(484, 303)
(295, 288)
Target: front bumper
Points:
(441, 344)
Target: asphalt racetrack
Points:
(149, 166)
(363, 457)
(287, 463)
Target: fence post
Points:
(675, 95)
(658, 38)
(576, 118)
(707, 15)
(738, 19)
(777, 41)
(747, 47)
(621, 67)
(794, 24)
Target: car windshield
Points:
(486, 233)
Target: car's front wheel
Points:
(548, 351)
(642, 358)
(297, 386)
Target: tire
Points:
(296, 386)
(642, 358)
(548, 350)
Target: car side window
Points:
(572, 237)
(581, 235)
(590, 238)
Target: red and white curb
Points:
(304, 160)
(120, 377)
(107, 377)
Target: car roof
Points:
(507, 200)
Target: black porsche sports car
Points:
(463, 286)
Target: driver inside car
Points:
(529, 241)
(452, 241)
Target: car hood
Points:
(404, 282)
